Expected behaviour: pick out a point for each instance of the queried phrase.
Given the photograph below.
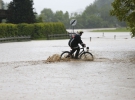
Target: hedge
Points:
(36, 30)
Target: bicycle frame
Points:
(82, 51)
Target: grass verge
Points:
(113, 30)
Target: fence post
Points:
(103, 34)
(114, 36)
(90, 38)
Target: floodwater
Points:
(25, 74)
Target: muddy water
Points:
(25, 74)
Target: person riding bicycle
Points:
(74, 42)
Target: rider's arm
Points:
(80, 41)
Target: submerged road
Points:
(24, 75)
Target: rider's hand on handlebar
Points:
(83, 45)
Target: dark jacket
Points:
(75, 40)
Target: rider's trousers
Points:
(77, 51)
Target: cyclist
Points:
(73, 43)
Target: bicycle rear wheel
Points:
(64, 55)
(87, 56)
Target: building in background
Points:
(0, 4)
(3, 12)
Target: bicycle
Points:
(83, 55)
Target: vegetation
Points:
(22, 22)
(48, 15)
(36, 30)
(96, 15)
(113, 30)
(21, 11)
(124, 10)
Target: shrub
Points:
(37, 30)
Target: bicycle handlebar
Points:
(84, 47)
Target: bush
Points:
(8, 30)
(36, 31)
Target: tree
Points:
(47, 15)
(59, 16)
(66, 19)
(39, 20)
(21, 11)
(124, 10)
(96, 15)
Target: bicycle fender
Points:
(65, 51)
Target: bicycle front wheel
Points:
(87, 56)
(64, 55)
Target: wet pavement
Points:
(25, 75)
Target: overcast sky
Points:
(56, 5)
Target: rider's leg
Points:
(72, 51)
(77, 52)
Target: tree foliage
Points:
(21, 11)
(124, 10)
(95, 15)
(49, 16)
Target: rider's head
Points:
(80, 32)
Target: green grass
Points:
(113, 30)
